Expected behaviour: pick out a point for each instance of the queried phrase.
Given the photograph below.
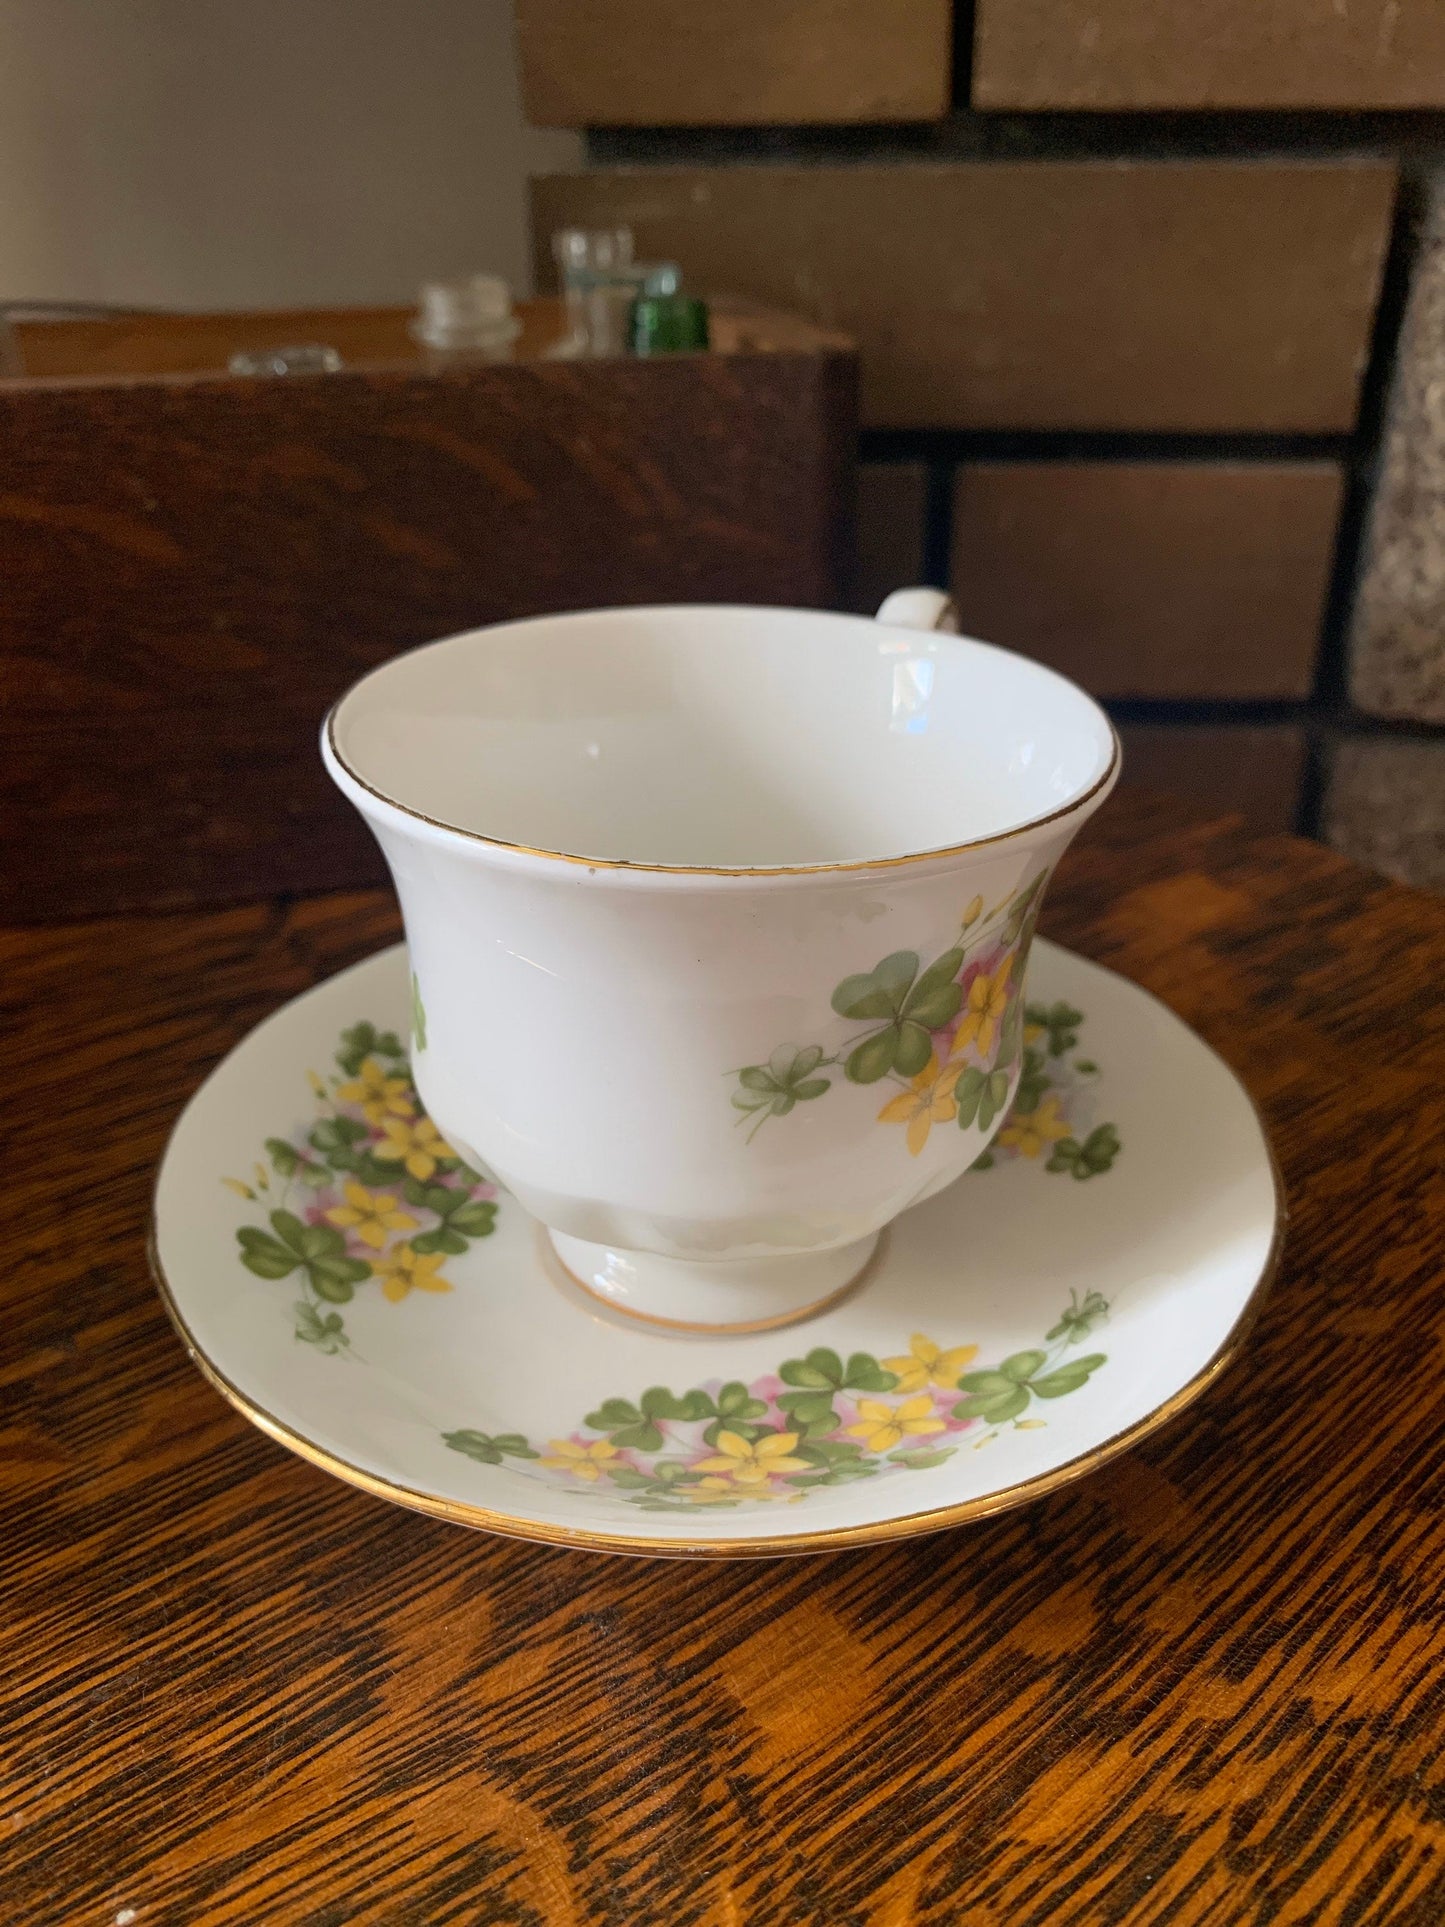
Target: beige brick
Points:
(656, 63)
(1209, 53)
(1397, 639)
(1073, 294)
(1151, 578)
(1385, 806)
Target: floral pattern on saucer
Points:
(820, 1420)
(370, 1192)
(367, 1191)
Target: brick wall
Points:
(1151, 305)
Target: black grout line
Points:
(1097, 445)
(1333, 679)
(964, 135)
(1414, 139)
(1314, 781)
(1332, 673)
(1202, 712)
(961, 74)
(938, 525)
(1206, 710)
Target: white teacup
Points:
(718, 920)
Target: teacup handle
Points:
(920, 609)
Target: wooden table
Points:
(1204, 1685)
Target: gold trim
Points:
(858, 865)
(907, 1526)
(776, 1323)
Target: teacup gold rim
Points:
(830, 1539)
(744, 873)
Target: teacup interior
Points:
(722, 737)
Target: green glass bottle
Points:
(664, 320)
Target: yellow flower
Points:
(241, 1189)
(714, 1490)
(1035, 1130)
(317, 1087)
(417, 1146)
(1033, 1032)
(984, 1011)
(881, 1426)
(584, 1461)
(403, 1271)
(378, 1095)
(928, 1101)
(751, 1463)
(928, 1364)
(371, 1214)
(974, 911)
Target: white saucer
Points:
(1082, 1295)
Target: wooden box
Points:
(205, 562)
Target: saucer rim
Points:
(830, 1539)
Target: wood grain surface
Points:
(195, 569)
(1203, 1686)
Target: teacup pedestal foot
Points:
(732, 1295)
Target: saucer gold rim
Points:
(838, 1538)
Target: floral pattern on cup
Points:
(945, 1034)
(367, 1192)
(819, 1420)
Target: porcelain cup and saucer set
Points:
(721, 1167)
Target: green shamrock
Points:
(291, 1163)
(785, 1080)
(819, 1378)
(981, 1096)
(1024, 906)
(638, 1425)
(489, 1448)
(363, 1041)
(418, 1014)
(1061, 1021)
(1011, 1032)
(837, 1461)
(461, 1216)
(327, 1334)
(668, 1479)
(912, 1006)
(1097, 1153)
(920, 1458)
(737, 1411)
(1033, 1084)
(340, 1142)
(318, 1249)
(1004, 1393)
(1076, 1321)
